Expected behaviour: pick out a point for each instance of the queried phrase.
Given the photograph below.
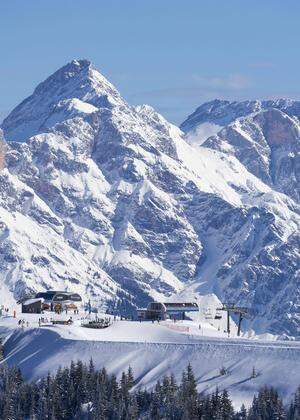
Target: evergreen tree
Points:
(124, 389)
(205, 408)
(45, 403)
(188, 394)
(70, 395)
(215, 404)
(61, 396)
(34, 401)
(154, 409)
(91, 381)
(100, 406)
(130, 378)
(226, 408)
(80, 382)
(12, 385)
(102, 400)
(133, 409)
(114, 399)
(294, 409)
(144, 400)
(242, 414)
(267, 405)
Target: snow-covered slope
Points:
(110, 201)
(153, 350)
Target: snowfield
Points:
(153, 350)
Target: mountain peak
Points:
(65, 73)
(223, 112)
(78, 79)
(82, 62)
(81, 80)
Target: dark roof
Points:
(46, 295)
(180, 304)
(51, 294)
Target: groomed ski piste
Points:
(156, 349)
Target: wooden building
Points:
(32, 306)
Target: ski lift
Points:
(218, 314)
(208, 314)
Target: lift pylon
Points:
(242, 312)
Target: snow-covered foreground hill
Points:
(154, 350)
(110, 201)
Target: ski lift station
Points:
(162, 311)
(51, 300)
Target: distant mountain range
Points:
(115, 203)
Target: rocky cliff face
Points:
(109, 200)
(268, 144)
(222, 112)
(263, 135)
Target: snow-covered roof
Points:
(31, 301)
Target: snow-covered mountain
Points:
(221, 112)
(263, 135)
(74, 89)
(110, 201)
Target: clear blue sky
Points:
(171, 54)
